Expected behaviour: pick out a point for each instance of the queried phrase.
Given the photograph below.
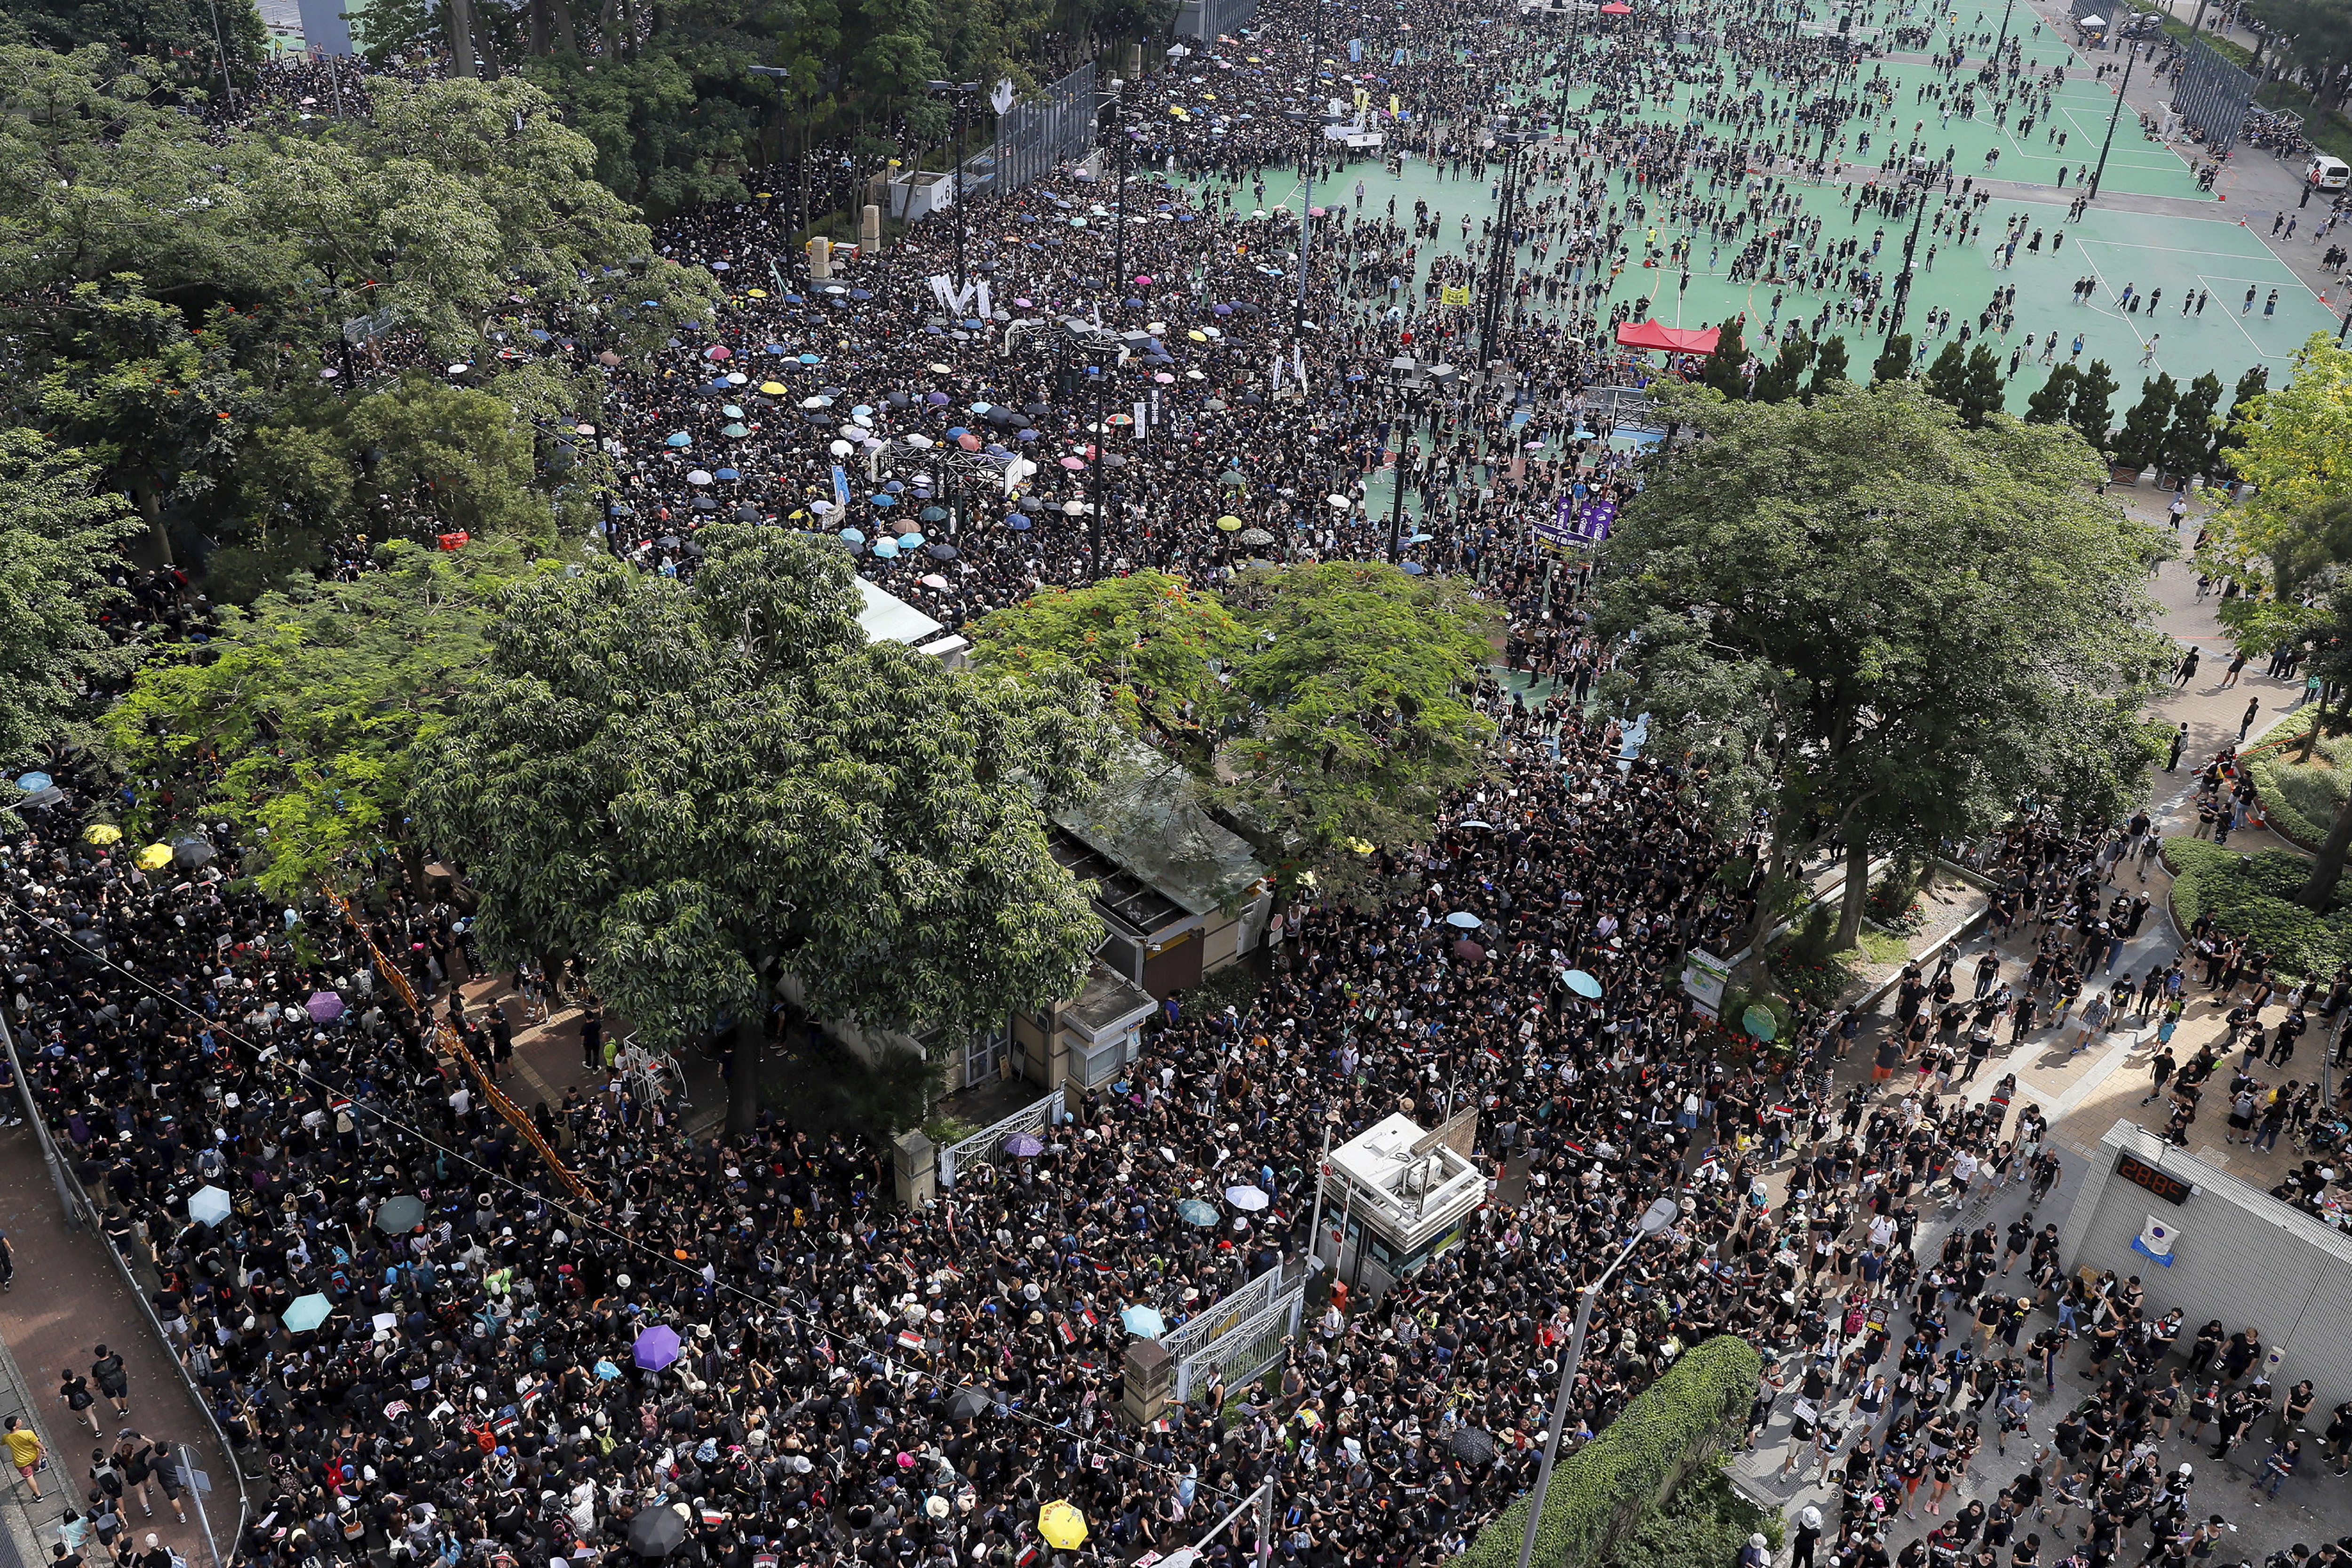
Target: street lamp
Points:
(1115, 100)
(1312, 120)
(2131, 57)
(1512, 139)
(782, 75)
(961, 92)
(1413, 381)
(1659, 1215)
(1915, 184)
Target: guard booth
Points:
(1394, 1198)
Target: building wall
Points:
(2240, 1255)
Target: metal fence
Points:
(80, 1212)
(1205, 19)
(986, 1143)
(1241, 1336)
(1035, 138)
(2212, 95)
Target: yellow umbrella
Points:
(155, 858)
(101, 832)
(757, 293)
(774, 388)
(1359, 846)
(1063, 1527)
(1229, 523)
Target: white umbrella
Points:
(208, 1206)
(1464, 920)
(1249, 1200)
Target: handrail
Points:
(445, 1038)
(79, 1211)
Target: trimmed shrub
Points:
(1704, 1525)
(2252, 895)
(1601, 1494)
(2300, 801)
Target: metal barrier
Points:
(1036, 137)
(983, 1144)
(1242, 1336)
(2212, 95)
(80, 1212)
(1206, 19)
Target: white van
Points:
(2326, 173)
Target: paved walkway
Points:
(2083, 1094)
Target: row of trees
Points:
(2178, 432)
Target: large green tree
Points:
(301, 719)
(1320, 708)
(1867, 618)
(705, 789)
(60, 536)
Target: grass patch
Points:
(2252, 895)
(1881, 947)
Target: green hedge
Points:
(2299, 802)
(1704, 1525)
(1601, 1494)
(2254, 896)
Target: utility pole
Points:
(1918, 193)
(1659, 1215)
(2130, 59)
(961, 92)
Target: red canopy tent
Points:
(1651, 335)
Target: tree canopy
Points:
(60, 541)
(703, 788)
(2294, 445)
(1319, 708)
(302, 721)
(1865, 615)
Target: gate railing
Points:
(1242, 1336)
(1039, 1118)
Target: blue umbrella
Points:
(851, 536)
(887, 549)
(1464, 920)
(306, 1312)
(33, 783)
(1583, 984)
(884, 500)
(680, 439)
(725, 474)
(1016, 522)
(1412, 569)
(911, 542)
(1143, 1322)
(1195, 1212)
(812, 359)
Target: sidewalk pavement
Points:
(2086, 1092)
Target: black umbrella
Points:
(657, 1532)
(1470, 1444)
(746, 512)
(942, 552)
(969, 1403)
(1036, 410)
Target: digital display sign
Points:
(2140, 1173)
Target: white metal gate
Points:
(1038, 1118)
(1241, 1336)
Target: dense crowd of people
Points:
(836, 1378)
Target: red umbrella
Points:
(718, 350)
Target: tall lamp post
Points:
(783, 75)
(1915, 185)
(1310, 122)
(1659, 1215)
(1413, 381)
(2130, 59)
(1115, 100)
(961, 92)
(1512, 139)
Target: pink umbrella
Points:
(718, 350)
(968, 441)
(1145, 282)
(1074, 462)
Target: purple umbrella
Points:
(323, 1006)
(656, 1347)
(1022, 1146)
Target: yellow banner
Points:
(1453, 294)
